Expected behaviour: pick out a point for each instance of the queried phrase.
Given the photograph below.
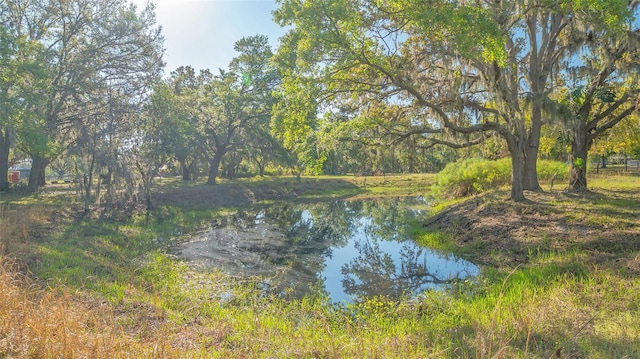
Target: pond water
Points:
(347, 249)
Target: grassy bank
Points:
(562, 275)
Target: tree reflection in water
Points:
(374, 273)
(347, 249)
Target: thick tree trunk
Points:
(36, 176)
(5, 145)
(530, 169)
(214, 165)
(517, 189)
(186, 173)
(578, 158)
(530, 175)
(517, 170)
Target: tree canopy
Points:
(92, 52)
(361, 86)
(460, 70)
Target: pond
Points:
(349, 250)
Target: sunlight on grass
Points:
(111, 291)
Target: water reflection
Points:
(374, 271)
(349, 249)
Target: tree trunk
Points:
(578, 159)
(186, 173)
(214, 166)
(517, 189)
(517, 170)
(5, 146)
(87, 181)
(147, 191)
(530, 175)
(147, 198)
(147, 174)
(36, 176)
(530, 170)
(261, 165)
(109, 181)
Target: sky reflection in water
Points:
(348, 249)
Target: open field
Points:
(561, 278)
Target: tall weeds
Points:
(57, 323)
(37, 323)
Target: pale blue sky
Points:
(201, 33)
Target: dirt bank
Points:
(501, 233)
(241, 194)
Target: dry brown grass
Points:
(38, 323)
(572, 288)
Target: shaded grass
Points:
(250, 191)
(575, 291)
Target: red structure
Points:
(14, 177)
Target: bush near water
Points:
(473, 175)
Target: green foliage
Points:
(472, 176)
(342, 55)
(623, 139)
(468, 28)
(228, 111)
(559, 295)
(432, 58)
(552, 170)
(72, 70)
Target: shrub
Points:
(471, 176)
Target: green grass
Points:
(580, 297)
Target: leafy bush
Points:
(471, 176)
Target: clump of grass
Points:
(18, 227)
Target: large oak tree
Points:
(91, 48)
(606, 90)
(463, 68)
